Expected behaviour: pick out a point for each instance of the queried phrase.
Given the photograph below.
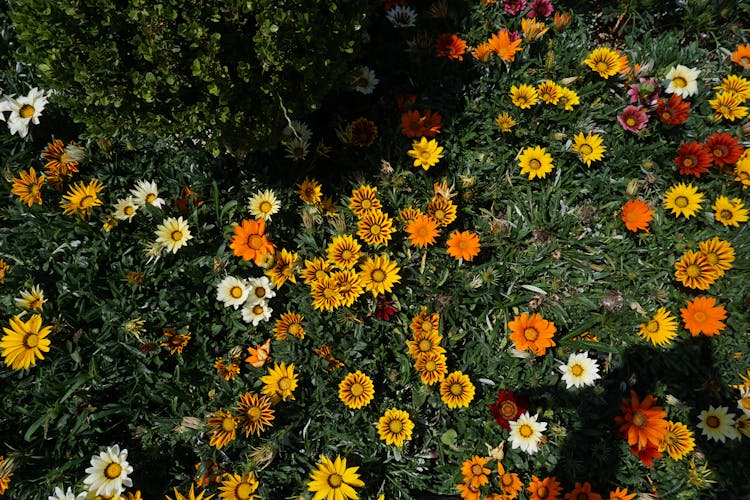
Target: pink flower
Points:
(633, 119)
(644, 93)
(540, 8)
(513, 7)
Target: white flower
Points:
(526, 433)
(364, 80)
(4, 106)
(173, 233)
(717, 424)
(255, 313)
(579, 371)
(146, 192)
(297, 129)
(232, 291)
(24, 110)
(31, 299)
(297, 149)
(401, 16)
(744, 402)
(261, 289)
(108, 474)
(683, 81)
(264, 204)
(125, 208)
(59, 494)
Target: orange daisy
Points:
(741, 56)
(250, 242)
(510, 484)
(642, 422)
(501, 45)
(702, 315)
(451, 46)
(532, 333)
(474, 471)
(621, 494)
(582, 491)
(544, 489)
(636, 215)
(422, 231)
(463, 245)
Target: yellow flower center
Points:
(639, 420)
(356, 389)
(254, 414)
(243, 491)
(535, 164)
(585, 149)
(260, 292)
(265, 207)
(679, 82)
(430, 366)
(294, 329)
(150, 197)
(542, 492)
(285, 384)
(395, 426)
(631, 121)
(26, 111)
(129, 210)
(507, 479)
(525, 431)
(254, 242)
(693, 271)
(176, 235)
(456, 389)
(375, 229)
(681, 201)
(602, 67)
(87, 201)
(329, 293)
(531, 334)
(666, 115)
(688, 162)
(235, 292)
(427, 326)
(713, 421)
(228, 424)
(576, 370)
(257, 309)
(652, 326)
(31, 341)
(346, 255)
(699, 316)
(377, 275)
(335, 480)
(712, 258)
(112, 470)
(745, 402)
(439, 214)
(425, 345)
(366, 204)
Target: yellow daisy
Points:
(694, 271)
(356, 390)
(310, 191)
(378, 275)
(505, 122)
(395, 427)
(660, 329)
(678, 440)
(432, 367)
(315, 270)
(456, 390)
(425, 342)
(254, 413)
(24, 342)
(364, 199)
(349, 286)
(524, 96)
(735, 83)
(549, 92)
(728, 105)
(588, 147)
(535, 162)
(325, 294)
(28, 187)
(289, 323)
(375, 228)
(239, 487)
(264, 204)
(426, 153)
(280, 382)
(442, 211)
(333, 480)
(719, 254)
(222, 427)
(604, 61)
(191, 495)
(729, 212)
(568, 99)
(344, 251)
(81, 198)
(683, 200)
(283, 268)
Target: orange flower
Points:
(561, 20)
(451, 46)
(636, 215)
(474, 471)
(544, 489)
(582, 491)
(510, 484)
(741, 56)
(702, 315)
(532, 333)
(422, 231)
(503, 47)
(621, 494)
(259, 355)
(482, 52)
(642, 423)
(463, 245)
(250, 242)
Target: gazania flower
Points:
(280, 381)
(468, 491)
(325, 353)
(259, 355)
(724, 148)
(694, 271)
(255, 312)
(510, 483)
(254, 413)
(432, 367)
(59, 494)
(579, 371)
(422, 231)
(729, 212)
(316, 269)
(125, 208)
(717, 424)
(344, 251)
(505, 122)
(561, 20)
(378, 275)
(636, 215)
(482, 52)
(744, 403)
(232, 292)
(173, 233)
(250, 242)
(621, 494)
(425, 342)
(678, 440)
(507, 408)
(24, 342)
(549, 92)
(375, 228)
(401, 16)
(146, 192)
(588, 147)
(737, 85)
(228, 369)
(660, 329)
(24, 111)
(356, 390)
(108, 474)
(260, 290)
(333, 480)
(475, 472)
(502, 45)
(535, 162)
(741, 56)
(728, 106)
(222, 427)
(582, 491)
(568, 99)
(176, 341)
(532, 333)
(540, 8)
(289, 323)
(702, 315)
(719, 254)
(673, 111)
(642, 422)
(190, 495)
(424, 322)
(363, 132)
(451, 46)
(426, 153)
(544, 489)
(384, 308)
(349, 286)
(683, 200)
(264, 204)
(395, 427)
(31, 299)
(532, 29)
(693, 159)
(442, 211)
(309, 191)
(456, 390)
(526, 433)
(28, 187)
(604, 61)
(742, 169)
(514, 7)
(239, 487)
(59, 164)
(81, 198)
(683, 81)
(633, 119)
(363, 200)
(283, 268)
(524, 96)
(325, 294)
(6, 466)
(463, 245)
(409, 214)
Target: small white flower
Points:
(364, 80)
(579, 371)
(261, 289)
(24, 110)
(264, 204)
(526, 433)
(108, 474)
(297, 149)
(401, 16)
(31, 299)
(146, 192)
(255, 313)
(683, 81)
(717, 424)
(173, 233)
(59, 494)
(232, 292)
(125, 208)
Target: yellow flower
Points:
(505, 122)
(24, 342)
(456, 390)
(568, 99)
(660, 329)
(588, 147)
(683, 200)
(309, 191)
(535, 162)
(280, 381)
(729, 212)
(728, 105)
(31, 299)
(82, 198)
(333, 480)
(604, 61)
(28, 187)
(524, 96)
(239, 487)
(356, 390)
(395, 427)
(378, 275)
(375, 228)
(549, 92)
(425, 153)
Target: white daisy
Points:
(255, 313)
(261, 289)
(232, 291)
(125, 208)
(526, 433)
(31, 299)
(108, 474)
(683, 81)
(59, 494)
(579, 371)
(24, 110)
(173, 233)
(297, 129)
(264, 204)
(401, 16)
(4, 106)
(744, 402)
(717, 424)
(146, 192)
(364, 80)
(297, 149)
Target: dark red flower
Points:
(724, 148)
(674, 111)
(693, 159)
(507, 408)
(384, 308)
(646, 455)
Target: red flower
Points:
(724, 148)
(693, 159)
(507, 408)
(646, 455)
(384, 308)
(451, 46)
(674, 111)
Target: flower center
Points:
(693, 271)
(329, 292)
(681, 201)
(585, 149)
(87, 201)
(366, 204)
(346, 255)
(726, 215)
(112, 470)
(254, 414)
(176, 235)
(258, 309)
(531, 334)
(576, 370)
(688, 162)
(425, 345)
(719, 152)
(477, 470)
(128, 210)
(699, 316)
(745, 402)
(525, 431)
(26, 111)
(243, 491)
(254, 242)
(652, 326)
(712, 258)
(666, 115)
(631, 121)
(265, 207)
(713, 421)
(542, 492)
(582, 496)
(285, 384)
(508, 409)
(535, 164)
(294, 329)
(430, 366)
(680, 82)
(335, 480)
(235, 292)
(507, 479)
(639, 419)
(228, 424)
(375, 229)
(356, 390)
(150, 197)
(260, 292)
(395, 426)
(378, 276)
(602, 67)
(457, 389)
(427, 326)
(31, 341)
